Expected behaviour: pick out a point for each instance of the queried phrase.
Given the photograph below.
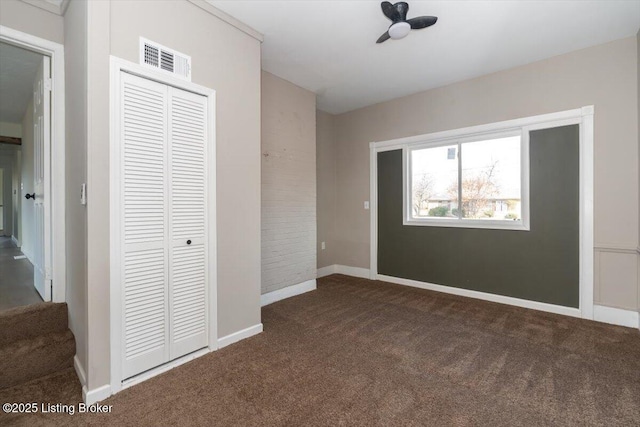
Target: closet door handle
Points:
(188, 242)
(30, 196)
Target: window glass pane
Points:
(491, 179)
(434, 182)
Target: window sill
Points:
(461, 223)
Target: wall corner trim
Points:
(326, 271)
(343, 269)
(223, 16)
(239, 336)
(96, 395)
(288, 292)
(616, 316)
(90, 397)
(80, 372)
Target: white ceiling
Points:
(18, 68)
(329, 47)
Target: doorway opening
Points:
(25, 165)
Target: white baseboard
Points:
(27, 254)
(326, 271)
(90, 397)
(352, 271)
(80, 371)
(15, 240)
(541, 306)
(616, 316)
(288, 292)
(96, 395)
(343, 269)
(239, 336)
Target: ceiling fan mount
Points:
(400, 25)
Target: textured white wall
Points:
(288, 184)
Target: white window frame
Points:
(407, 173)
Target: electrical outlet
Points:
(323, 246)
(366, 204)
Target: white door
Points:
(41, 171)
(162, 145)
(143, 189)
(188, 136)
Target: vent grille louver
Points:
(150, 55)
(164, 59)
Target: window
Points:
(474, 182)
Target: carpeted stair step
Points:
(31, 321)
(60, 387)
(28, 359)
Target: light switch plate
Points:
(366, 204)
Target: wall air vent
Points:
(163, 59)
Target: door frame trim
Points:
(57, 250)
(117, 66)
(584, 117)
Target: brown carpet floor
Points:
(357, 352)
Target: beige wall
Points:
(225, 59)
(604, 76)
(638, 74)
(326, 187)
(27, 232)
(32, 20)
(11, 129)
(75, 45)
(288, 184)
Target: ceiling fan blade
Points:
(402, 8)
(384, 37)
(390, 11)
(422, 22)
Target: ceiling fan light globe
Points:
(399, 30)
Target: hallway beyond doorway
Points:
(16, 277)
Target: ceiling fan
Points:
(400, 25)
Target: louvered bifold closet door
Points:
(144, 217)
(189, 270)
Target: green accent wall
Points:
(538, 265)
